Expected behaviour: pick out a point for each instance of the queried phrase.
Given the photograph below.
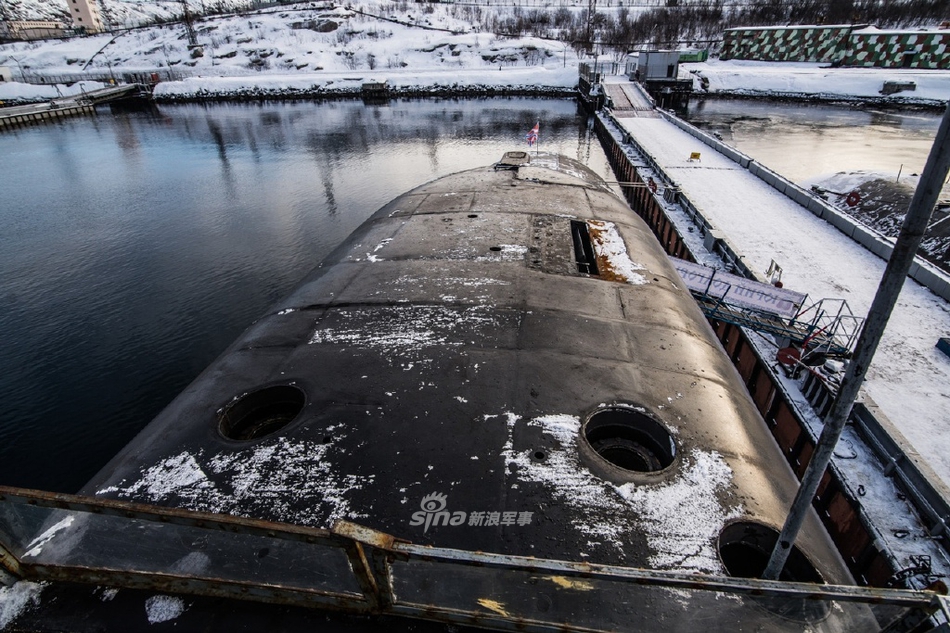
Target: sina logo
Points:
(433, 512)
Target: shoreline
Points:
(292, 94)
(257, 93)
(882, 103)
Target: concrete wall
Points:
(928, 50)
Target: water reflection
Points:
(156, 236)
(808, 142)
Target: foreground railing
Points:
(56, 537)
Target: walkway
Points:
(629, 100)
(909, 378)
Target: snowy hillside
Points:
(295, 39)
(320, 48)
(125, 13)
(130, 13)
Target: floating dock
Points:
(75, 105)
(711, 204)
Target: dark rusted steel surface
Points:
(443, 379)
(447, 343)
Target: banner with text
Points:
(739, 291)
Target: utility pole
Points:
(591, 12)
(189, 27)
(912, 232)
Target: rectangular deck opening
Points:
(584, 254)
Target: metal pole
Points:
(912, 232)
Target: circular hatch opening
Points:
(630, 440)
(261, 412)
(745, 547)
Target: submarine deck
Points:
(451, 357)
(499, 361)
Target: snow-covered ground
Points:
(794, 79)
(322, 48)
(303, 45)
(909, 377)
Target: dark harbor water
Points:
(137, 245)
(808, 142)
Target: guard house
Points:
(656, 65)
(658, 71)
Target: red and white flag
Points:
(532, 136)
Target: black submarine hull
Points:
(451, 377)
(502, 360)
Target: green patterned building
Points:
(899, 49)
(848, 45)
(787, 43)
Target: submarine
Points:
(495, 405)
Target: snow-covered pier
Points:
(718, 203)
(65, 106)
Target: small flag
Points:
(532, 136)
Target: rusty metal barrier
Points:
(58, 537)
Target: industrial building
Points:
(844, 45)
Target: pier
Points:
(74, 105)
(712, 205)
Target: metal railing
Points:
(57, 537)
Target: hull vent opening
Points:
(260, 413)
(745, 547)
(630, 440)
(584, 253)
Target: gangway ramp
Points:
(766, 308)
(629, 100)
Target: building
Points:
(787, 43)
(658, 71)
(5, 74)
(86, 16)
(927, 49)
(31, 29)
(845, 45)
(693, 55)
(656, 65)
